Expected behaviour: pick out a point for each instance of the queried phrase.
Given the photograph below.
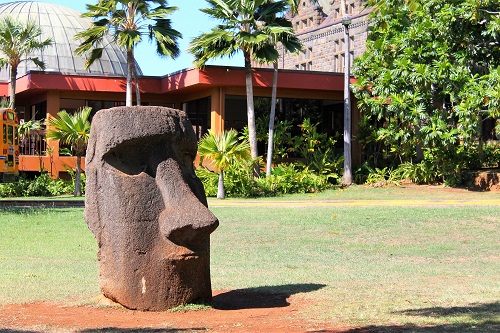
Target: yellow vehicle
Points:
(9, 146)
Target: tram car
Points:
(9, 146)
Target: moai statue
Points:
(147, 209)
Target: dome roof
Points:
(61, 24)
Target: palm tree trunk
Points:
(252, 132)
(137, 88)
(12, 86)
(221, 191)
(130, 72)
(270, 142)
(78, 176)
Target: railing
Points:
(33, 144)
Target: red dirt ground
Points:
(234, 311)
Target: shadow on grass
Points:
(261, 297)
(143, 330)
(123, 330)
(476, 318)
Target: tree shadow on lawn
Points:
(261, 297)
(476, 318)
(143, 330)
(123, 330)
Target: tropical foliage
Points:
(250, 27)
(72, 130)
(284, 179)
(41, 185)
(428, 79)
(313, 168)
(126, 22)
(18, 40)
(223, 150)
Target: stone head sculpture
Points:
(147, 209)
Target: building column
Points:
(217, 109)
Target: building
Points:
(214, 97)
(318, 24)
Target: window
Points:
(99, 105)
(39, 111)
(198, 112)
(10, 135)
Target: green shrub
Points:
(70, 186)
(285, 179)
(8, 190)
(424, 172)
(41, 185)
(384, 177)
(491, 154)
(210, 181)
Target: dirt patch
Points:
(485, 180)
(233, 311)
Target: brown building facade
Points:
(318, 25)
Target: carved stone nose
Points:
(189, 227)
(185, 221)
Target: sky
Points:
(188, 20)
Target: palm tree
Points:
(223, 149)
(73, 130)
(249, 27)
(127, 21)
(289, 37)
(18, 40)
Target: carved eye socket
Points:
(129, 161)
(143, 156)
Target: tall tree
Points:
(18, 41)
(245, 26)
(223, 149)
(289, 38)
(72, 130)
(127, 21)
(427, 77)
(346, 21)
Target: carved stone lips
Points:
(187, 254)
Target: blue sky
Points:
(188, 20)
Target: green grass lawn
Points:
(433, 268)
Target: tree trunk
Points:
(480, 141)
(270, 140)
(12, 86)
(78, 176)
(130, 72)
(137, 88)
(252, 132)
(221, 191)
(347, 178)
